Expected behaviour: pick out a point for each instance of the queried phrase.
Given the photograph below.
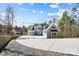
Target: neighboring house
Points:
(17, 30)
(24, 30)
(52, 31)
(30, 30)
(35, 29)
(38, 29)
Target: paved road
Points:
(31, 46)
(69, 46)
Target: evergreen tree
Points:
(62, 21)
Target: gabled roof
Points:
(52, 27)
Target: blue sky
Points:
(29, 13)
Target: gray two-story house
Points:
(35, 29)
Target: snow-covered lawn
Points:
(70, 46)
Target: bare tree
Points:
(9, 18)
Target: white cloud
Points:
(53, 14)
(41, 12)
(45, 3)
(3, 15)
(58, 14)
(31, 4)
(23, 9)
(70, 3)
(54, 5)
(34, 11)
(20, 3)
(18, 21)
(61, 10)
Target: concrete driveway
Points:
(69, 46)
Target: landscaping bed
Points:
(4, 40)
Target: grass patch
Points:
(4, 40)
